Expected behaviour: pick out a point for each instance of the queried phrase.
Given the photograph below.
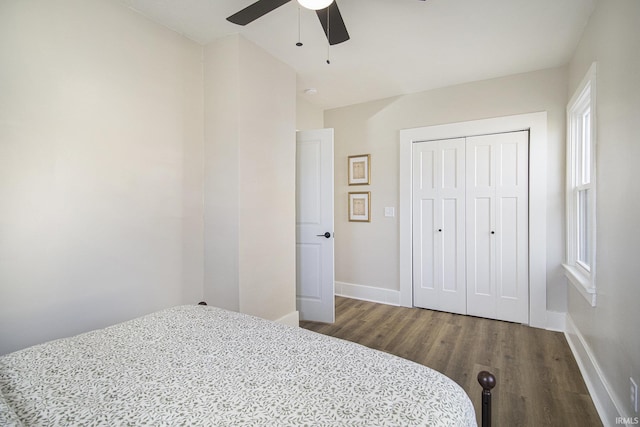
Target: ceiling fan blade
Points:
(337, 30)
(255, 11)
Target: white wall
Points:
(250, 122)
(222, 174)
(610, 330)
(367, 254)
(308, 116)
(100, 168)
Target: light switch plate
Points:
(389, 212)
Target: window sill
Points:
(581, 282)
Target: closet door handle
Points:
(327, 235)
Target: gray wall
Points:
(100, 168)
(610, 330)
(249, 197)
(102, 171)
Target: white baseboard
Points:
(597, 384)
(368, 293)
(556, 321)
(291, 319)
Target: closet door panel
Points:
(507, 246)
(439, 225)
(425, 215)
(480, 272)
(480, 249)
(450, 250)
(497, 222)
(426, 276)
(480, 173)
(512, 226)
(450, 170)
(452, 230)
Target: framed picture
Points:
(360, 206)
(359, 169)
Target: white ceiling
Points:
(396, 46)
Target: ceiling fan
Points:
(327, 11)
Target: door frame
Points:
(536, 124)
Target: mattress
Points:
(204, 366)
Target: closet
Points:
(470, 225)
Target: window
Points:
(581, 188)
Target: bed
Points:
(204, 366)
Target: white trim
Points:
(368, 293)
(589, 78)
(291, 319)
(536, 123)
(583, 279)
(581, 282)
(405, 216)
(599, 389)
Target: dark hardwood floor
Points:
(538, 381)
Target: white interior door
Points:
(439, 225)
(315, 275)
(497, 226)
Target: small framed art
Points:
(359, 169)
(360, 206)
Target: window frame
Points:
(581, 180)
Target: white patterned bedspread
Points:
(203, 366)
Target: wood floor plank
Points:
(539, 383)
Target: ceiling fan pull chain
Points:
(328, 37)
(299, 42)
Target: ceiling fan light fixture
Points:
(315, 4)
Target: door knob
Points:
(327, 235)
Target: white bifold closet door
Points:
(497, 190)
(439, 225)
(470, 226)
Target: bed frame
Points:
(486, 379)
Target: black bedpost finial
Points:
(202, 303)
(488, 381)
